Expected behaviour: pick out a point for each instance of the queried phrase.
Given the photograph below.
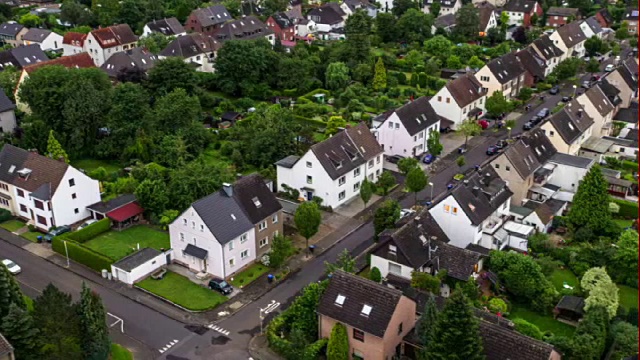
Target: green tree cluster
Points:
(386, 216)
(590, 207)
(602, 292)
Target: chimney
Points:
(475, 190)
(61, 159)
(228, 189)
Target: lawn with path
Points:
(560, 276)
(89, 165)
(182, 291)
(118, 244)
(246, 276)
(13, 225)
(544, 322)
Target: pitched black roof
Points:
(44, 171)
(247, 28)
(571, 303)
(223, 216)
(190, 45)
(562, 11)
(358, 292)
(5, 103)
(136, 259)
(36, 35)
(417, 115)
(631, 14)
(506, 68)
(594, 24)
(523, 6)
(10, 29)
(195, 251)
(571, 34)
(629, 73)
(255, 198)
(445, 21)
(465, 90)
(167, 27)
(610, 91)
(532, 62)
(530, 152)
(628, 115)
(571, 160)
(288, 162)
(329, 14)
(547, 48)
(571, 122)
(501, 343)
(105, 207)
(283, 20)
(212, 15)
(598, 98)
(136, 58)
(22, 56)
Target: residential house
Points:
(488, 19)
(560, 16)
(521, 11)
(569, 128)
(539, 214)
(46, 192)
(625, 79)
(611, 92)
(568, 171)
(547, 50)
(570, 39)
(104, 42)
(460, 99)
(195, 48)
(46, 39)
(494, 3)
(504, 74)
(22, 56)
(625, 145)
(77, 61)
(6, 350)
(604, 18)
(133, 60)
(351, 6)
(73, 43)
(521, 164)
(405, 130)
(334, 168)
(631, 17)
(167, 27)
(248, 28)
(621, 188)
(12, 33)
(596, 104)
(282, 26)
(376, 316)
(590, 27)
(7, 114)
(207, 20)
(629, 116)
(534, 65)
(474, 211)
(446, 22)
(328, 17)
(596, 148)
(446, 6)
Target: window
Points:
(400, 329)
(507, 168)
(421, 135)
(395, 269)
(447, 208)
(551, 133)
(42, 220)
(341, 195)
(274, 219)
(181, 237)
(20, 193)
(195, 241)
(230, 245)
(448, 100)
(73, 196)
(23, 208)
(455, 211)
(264, 242)
(497, 166)
(232, 262)
(342, 180)
(201, 227)
(244, 254)
(377, 173)
(309, 164)
(390, 125)
(356, 171)
(243, 238)
(262, 226)
(193, 224)
(484, 78)
(309, 179)
(392, 249)
(38, 204)
(4, 202)
(377, 160)
(72, 182)
(397, 125)
(4, 186)
(75, 211)
(358, 335)
(356, 186)
(184, 222)
(415, 138)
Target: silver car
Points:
(13, 267)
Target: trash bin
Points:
(311, 248)
(104, 273)
(39, 239)
(270, 278)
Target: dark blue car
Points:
(428, 159)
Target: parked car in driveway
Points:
(609, 68)
(492, 150)
(554, 90)
(528, 125)
(406, 212)
(567, 98)
(586, 84)
(501, 144)
(13, 267)
(484, 124)
(87, 223)
(428, 159)
(220, 286)
(543, 113)
(394, 158)
(56, 232)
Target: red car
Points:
(484, 124)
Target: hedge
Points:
(91, 231)
(5, 215)
(628, 209)
(630, 166)
(81, 254)
(305, 120)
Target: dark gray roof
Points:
(506, 68)
(358, 292)
(223, 216)
(105, 207)
(247, 28)
(444, 3)
(629, 72)
(482, 194)
(597, 97)
(571, 160)
(523, 6)
(478, 249)
(22, 56)
(562, 11)
(136, 58)
(610, 91)
(5, 103)
(571, 303)
(532, 62)
(546, 210)
(571, 122)
(10, 29)
(288, 162)
(359, 4)
(628, 115)
(465, 89)
(44, 170)
(283, 20)
(36, 35)
(136, 259)
(417, 115)
(255, 198)
(195, 251)
(617, 181)
(5, 347)
(167, 27)
(631, 14)
(502, 343)
(328, 14)
(190, 45)
(346, 150)
(547, 48)
(445, 21)
(530, 152)
(43, 192)
(571, 34)
(212, 15)
(594, 24)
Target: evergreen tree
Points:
(20, 331)
(426, 324)
(380, 78)
(55, 150)
(366, 191)
(58, 322)
(95, 333)
(9, 292)
(591, 335)
(456, 331)
(590, 206)
(338, 346)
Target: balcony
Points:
(492, 224)
(542, 176)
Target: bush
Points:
(375, 275)
(629, 166)
(628, 209)
(91, 231)
(81, 254)
(548, 264)
(5, 215)
(497, 305)
(527, 328)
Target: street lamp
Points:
(575, 88)
(431, 185)
(509, 130)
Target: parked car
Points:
(609, 68)
(484, 124)
(554, 90)
(492, 150)
(394, 158)
(543, 113)
(502, 144)
(567, 98)
(428, 159)
(56, 232)
(595, 78)
(87, 223)
(445, 130)
(406, 212)
(528, 125)
(220, 286)
(586, 84)
(535, 120)
(13, 267)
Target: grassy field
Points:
(628, 297)
(119, 352)
(182, 291)
(623, 223)
(118, 244)
(560, 276)
(544, 322)
(89, 165)
(12, 225)
(32, 235)
(245, 277)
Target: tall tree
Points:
(624, 264)
(380, 77)
(414, 26)
(497, 104)
(426, 324)
(467, 22)
(244, 67)
(457, 332)
(307, 219)
(344, 262)
(590, 337)
(405, 165)
(9, 292)
(366, 191)
(386, 182)
(95, 333)
(59, 324)
(20, 331)
(385, 27)
(601, 290)
(55, 150)
(337, 76)
(154, 42)
(338, 346)
(334, 124)
(358, 41)
(194, 181)
(152, 195)
(75, 13)
(469, 127)
(281, 249)
(416, 182)
(386, 216)
(433, 143)
(435, 8)
(401, 6)
(169, 74)
(590, 207)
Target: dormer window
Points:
(256, 202)
(392, 249)
(340, 300)
(366, 310)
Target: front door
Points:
(32, 217)
(309, 195)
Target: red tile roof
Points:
(125, 212)
(82, 60)
(74, 38)
(114, 35)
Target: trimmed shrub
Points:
(91, 231)
(375, 275)
(630, 166)
(5, 215)
(497, 305)
(81, 254)
(628, 209)
(305, 120)
(527, 328)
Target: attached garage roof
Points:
(136, 259)
(125, 212)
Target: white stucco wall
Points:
(455, 223)
(87, 192)
(383, 265)
(567, 177)
(450, 110)
(141, 271)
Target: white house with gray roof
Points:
(46, 39)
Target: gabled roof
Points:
(22, 56)
(506, 68)
(5, 103)
(599, 100)
(445, 21)
(612, 93)
(212, 15)
(328, 14)
(629, 73)
(136, 259)
(522, 6)
(523, 157)
(283, 20)
(628, 115)
(571, 34)
(444, 3)
(465, 90)
(346, 150)
(44, 171)
(75, 61)
(571, 122)
(546, 210)
(594, 24)
(288, 162)
(417, 115)
(562, 11)
(501, 343)
(223, 216)
(190, 45)
(136, 58)
(485, 14)
(10, 29)
(359, 4)
(255, 198)
(36, 35)
(571, 160)
(546, 46)
(5, 347)
(606, 15)
(115, 35)
(355, 293)
(125, 212)
(532, 62)
(113, 204)
(167, 27)
(248, 28)
(74, 38)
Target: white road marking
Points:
(118, 320)
(219, 329)
(168, 346)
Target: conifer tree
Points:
(20, 331)
(426, 324)
(55, 150)
(590, 206)
(380, 77)
(9, 292)
(94, 330)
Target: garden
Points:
(183, 292)
(118, 244)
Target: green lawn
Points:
(89, 165)
(12, 225)
(119, 352)
(182, 291)
(245, 277)
(32, 235)
(118, 244)
(623, 223)
(628, 297)
(29, 302)
(544, 322)
(560, 276)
